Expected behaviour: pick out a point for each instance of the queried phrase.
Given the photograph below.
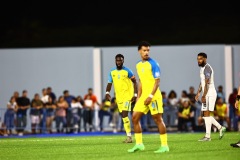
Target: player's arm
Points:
(198, 92)
(237, 98)
(133, 79)
(155, 87)
(207, 73)
(108, 89)
(139, 89)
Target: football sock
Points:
(208, 125)
(138, 137)
(163, 139)
(126, 124)
(215, 123)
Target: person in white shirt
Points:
(75, 105)
(209, 96)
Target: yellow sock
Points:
(163, 138)
(138, 138)
(126, 124)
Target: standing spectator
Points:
(80, 110)
(68, 98)
(44, 98)
(94, 101)
(9, 114)
(220, 93)
(88, 113)
(23, 104)
(50, 106)
(51, 94)
(16, 95)
(232, 109)
(35, 113)
(172, 108)
(185, 115)
(183, 98)
(191, 95)
(62, 105)
(104, 111)
(115, 114)
(75, 105)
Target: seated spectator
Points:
(51, 107)
(75, 105)
(9, 114)
(221, 111)
(35, 112)
(62, 105)
(104, 111)
(185, 115)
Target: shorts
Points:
(210, 103)
(124, 106)
(35, 119)
(155, 107)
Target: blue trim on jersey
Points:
(155, 68)
(130, 73)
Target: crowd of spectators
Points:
(74, 114)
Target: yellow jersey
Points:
(122, 82)
(148, 71)
(221, 110)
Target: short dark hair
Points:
(119, 55)
(65, 91)
(143, 43)
(202, 54)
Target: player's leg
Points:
(127, 126)
(156, 110)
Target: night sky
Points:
(117, 23)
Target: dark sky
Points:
(117, 23)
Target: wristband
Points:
(238, 98)
(135, 94)
(150, 95)
(107, 92)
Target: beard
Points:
(201, 65)
(119, 67)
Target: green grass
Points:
(182, 147)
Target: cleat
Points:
(162, 149)
(237, 145)
(128, 140)
(204, 139)
(221, 132)
(137, 147)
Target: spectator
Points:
(69, 99)
(51, 94)
(221, 111)
(88, 113)
(23, 104)
(80, 110)
(50, 106)
(185, 115)
(16, 95)
(172, 110)
(62, 105)
(220, 93)
(9, 114)
(184, 97)
(232, 109)
(94, 101)
(35, 113)
(76, 105)
(44, 99)
(115, 114)
(104, 111)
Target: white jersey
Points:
(207, 72)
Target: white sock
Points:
(208, 125)
(215, 123)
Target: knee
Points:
(135, 119)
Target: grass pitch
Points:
(183, 146)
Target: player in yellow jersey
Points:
(149, 98)
(125, 86)
(237, 105)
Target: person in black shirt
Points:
(23, 104)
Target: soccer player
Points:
(125, 86)
(149, 98)
(209, 96)
(237, 145)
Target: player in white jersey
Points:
(209, 96)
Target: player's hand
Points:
(147, 101)
(107, 97)
(197, 97)
(236, 104)
(133, 99)
(203, 99)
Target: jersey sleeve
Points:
(130, 72)
(207, 72)
(110, 80)
(155, 69)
